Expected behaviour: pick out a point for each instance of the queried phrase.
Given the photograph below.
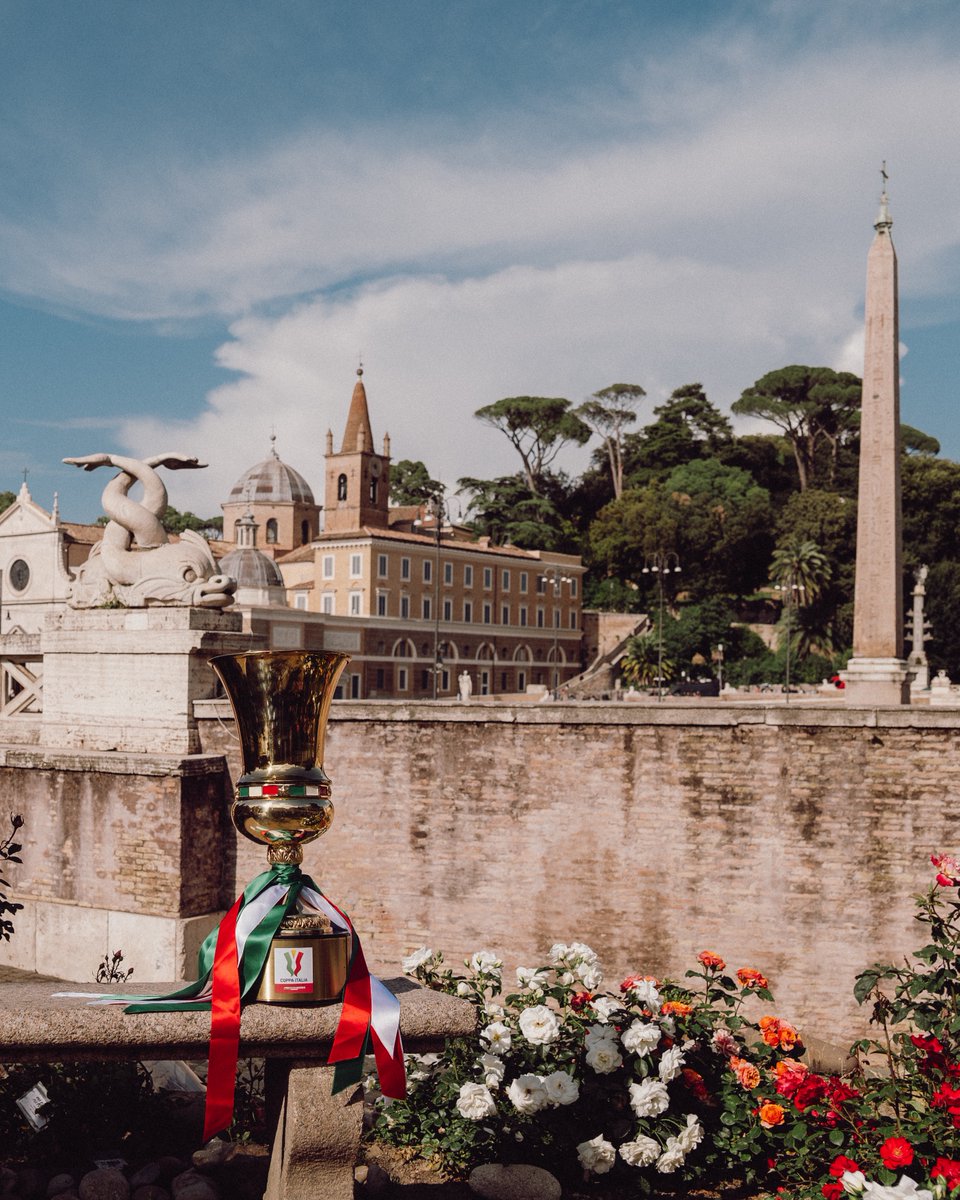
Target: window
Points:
(341, 487)
(382, 566)
(381, 604)
(523, 614)
(300, 600)
(539, 618)
(556, 618)
(445, 680)
(373, 491)
(404, 568)
(380, 683)
(272, 531)
(402, 679)
(487, 616)
(424, 680)
(505, 581)
(488, 577)
(427, 608)
(356, 598)
(328, 566)
(522, 681)
(503, 681)
(354, 687)
(505, 614)
(541, 584)
(405, 607)
(448, 610)
(327, 603)
(523, 581)
(448, 573)
(355, 567)
(467, 610)
(573, 619)
(467, 575)
(304, 532)
(427, 570)
(573, 587)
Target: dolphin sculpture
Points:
(136, 564)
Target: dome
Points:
(251, 568)
(271, 482)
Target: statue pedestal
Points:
(881, 681)
(127, 679)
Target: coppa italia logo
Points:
(293, 969)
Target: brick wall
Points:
(786, 839)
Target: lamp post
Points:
(659, 565)
(791, 592)
(557, 579)
(720, 665)
(438, 508)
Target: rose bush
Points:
(655, 1079)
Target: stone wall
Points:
(786, 838)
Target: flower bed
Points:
(663, 1082)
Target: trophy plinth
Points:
(281, 701)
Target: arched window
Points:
(304, 532)
(373, 491)
(272, 531)
(341, 487)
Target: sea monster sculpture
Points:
(136, 565)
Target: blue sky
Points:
(208, 211)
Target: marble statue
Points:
(136, 565)
(465, 689)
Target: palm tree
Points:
(800, 570)
(640, 664)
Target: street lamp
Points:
(720, 665)
(436, 505)
(792, 593)
(659, 565)
(557, 579)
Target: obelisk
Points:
(877, 673)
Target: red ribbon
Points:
(224, 1028)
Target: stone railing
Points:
(21, 676)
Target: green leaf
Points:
(836, 1137)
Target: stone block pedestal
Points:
(877, 681)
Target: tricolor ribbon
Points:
(230, 964)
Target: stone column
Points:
(877, 673)
(918, 634)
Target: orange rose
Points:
(676, 1008)
(770, 1030)
(790, 1066)
(747, 1074)
(750, 978)
(713, 962)
(788, 1036)
(770, 1115)
(695, 1082)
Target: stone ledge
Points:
(110, 762)
(35, 1027)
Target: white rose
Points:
(590, 976)
(641, 1152)
(485, 962)
(605, 1007)
(604, 1057)
(539, 1025)
(645, 992)
(567, 979)
(905, 1189)
(561, 1088)
(671, 1158)
(642, 1037)
(668, 1025)
(527, 1093)
(464, 988)
(649, 1098)
(599, 1033)
(475, 1102)
(497, 1037)
(597, 1155)
(493, 1070)
(579, 952)
(692, 1136)
(531, 978)
(493, 1010)
(723, 1042)
(853, 1182)
(416, 959)
(670, 1064)
(558, 952)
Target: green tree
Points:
(175, 521)
(931, 510)
(943, 610)
(643, 663)
(410, 483)
(816, 407)
(687, 427)
(801, 571)
(6, 499)
(505, 510)
(608, 412)
(538, 427)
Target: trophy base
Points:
(304, 967)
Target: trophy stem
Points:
(285, 854)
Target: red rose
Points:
(948, 1169)
(896, 1152)
(832, 1191)
(580, 1000)
(841, 1164)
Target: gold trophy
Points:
(281, 701)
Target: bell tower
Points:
(357, 479)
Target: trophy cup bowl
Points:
(281, 701)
